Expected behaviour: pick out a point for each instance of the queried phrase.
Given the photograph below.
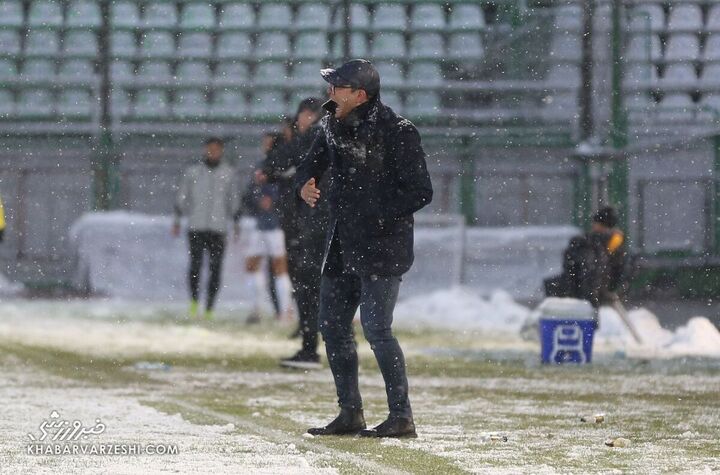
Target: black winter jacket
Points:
(378, 179)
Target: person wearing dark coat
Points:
(377, 179)
(593, 264)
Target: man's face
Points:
(346, 99)
(214, 152)
(598, 227)
(305, 119)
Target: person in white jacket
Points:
(208, 197)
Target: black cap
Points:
(606, 216)
(356, 73)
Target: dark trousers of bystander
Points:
(214, 244)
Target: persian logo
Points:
(65, 431)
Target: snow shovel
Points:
(620, 309)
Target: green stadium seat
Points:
(427, 17)
(269, 72)
(391, 73)
(195, 45)
(237, 16)
(11, 14)
(45, 13)
(427, 46)
(77, 69)
(155, 71)
(568, 18)
(466, 46)
(160, 15)
(711, 51)
(157, 44)
(75, 104)
(124, 15)
(9, 43)
(358, 45)
(392, 99)
(422, 104)
(272, 45)
(359, 17)
(232, 73)
(84, 14)
(234, 45)
(42, 43)
(122, 72)
(36, 69)
(274, 16)
(266, 104)
(307, 73)
(120, 103)
(190, 104)
(563, 74)
(299, 95)
(389, 17)
(151, 104)
(8, 70)
(644, 48)
(710, 75)
(712, 23)
(35, 103)
(197, 16)
(7, 103)
(193, 72)
(313, 16)
(81, 44)
(228, 104)
(565, 47)
(467, 16)
(388, 45)
(311, 45)
(425, 73)
(122, 44)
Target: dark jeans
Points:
(340, 295)
(214, 243)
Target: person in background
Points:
(209, 199)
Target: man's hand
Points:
(309, 193)
(176, 229)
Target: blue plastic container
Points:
(567, 329)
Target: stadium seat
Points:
(427, 46)
(269, 72)
(676, 107)
(189, 103)
(307, 73)
(679, 74)
(122, 44)
(155, 71)
(124, 15)
(228, 103)
(84, 14)
(120, 103)
(561, 74)
(467, 16)
(711, 51)
(682, 47)
(195, 45)
(359, 17)
(389, 17)
(122, 72)
(274, 16)
(193, 72)
(647, 18)
(712, 102)
(391, 73)
(45, 13)
(425, 73)
(81, 44)
(713, 19)
(236, 16)
(422, 104)
(151, 104)
(568, 18)
(267, 104)
(466, 46)
(9, 42)
(685, 17)
(560, 105)
(311, 45)
(77, 69)
(232, 72)
(36, 69)
(392, 99)
(11, 14)
(566, 47)
(427, 17)
(42, 43)
(313, 16)
(298, 95)
(272, 45)
(639, 74)
(234, 45)
(35, 103)
(710, 75)
(7, 103)
(75, 103)
(197, 16)
(8, 70)
(160, 15)
(157, 44)
(388, 45)
(644, 47)
(358, 45)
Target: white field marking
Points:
(277, 436)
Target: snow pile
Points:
(8, 288)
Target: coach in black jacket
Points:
(378, 179)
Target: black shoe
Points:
(349, 422)
(302, 360)
(394, 426)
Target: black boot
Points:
(350, 421)
(394, 426)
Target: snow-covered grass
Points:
(231, 409)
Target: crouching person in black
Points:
(593, 264)
(378, 179)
